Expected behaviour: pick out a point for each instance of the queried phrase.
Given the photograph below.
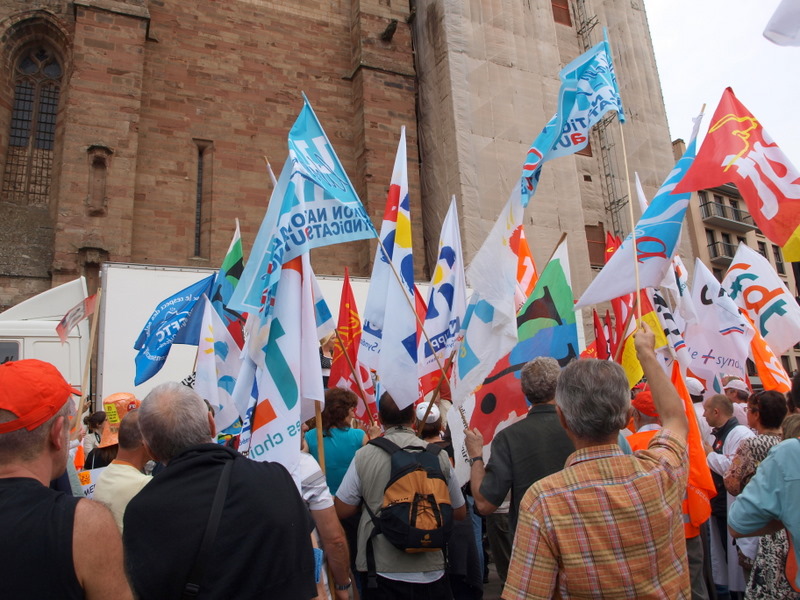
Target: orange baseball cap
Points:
(33, 390)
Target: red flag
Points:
(600, 337)
(345, 355)
(738, 150)
(75, 315)
(611, 335)
(612, 243)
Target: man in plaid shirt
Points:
(609, 525)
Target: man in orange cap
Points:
(645, 420)
(44, 556)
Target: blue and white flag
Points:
(588, 90)
(313, 205)
(657, 234)
(447, 302)
(490, 325)
(218, 364)
(171, 323)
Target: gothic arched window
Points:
(29, 159)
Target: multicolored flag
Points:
(527, 275)
(313, 205)
(737, 149)
(757, 289)
(345, 356)
(447, 302)
(490, 328)
(218, 364)
(719, 341)
(291, 380)
(172, 322)
(656, 235)
(546, 326)
(75, 315)
(588, 91)
(389, 332)
(628, 359)
(225, 283)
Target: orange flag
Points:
(770, 370)
(699, 487)
(738, 150)
(527, 275)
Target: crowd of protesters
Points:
(585, 497)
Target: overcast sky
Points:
(704, 46)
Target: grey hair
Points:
(27, 445)
(594, 398)
(172, 418)
(539, 377)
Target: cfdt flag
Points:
(313, 205)
(737, 149)
(389, 332)
(170, 323)
(588, 91)
(447, 299)
(651, 244)
(758, 290)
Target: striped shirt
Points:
(608, 526)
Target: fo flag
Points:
(588, 91)
(737, 149)
(169, 324)
(75, 315)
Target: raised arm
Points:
(668, 402)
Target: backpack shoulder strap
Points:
(434, 449)
(385, 445)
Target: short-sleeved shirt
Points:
(522, 454)
(609, 525)
(340, 448)
(310, 482)
(366, 480)
(117, 485)
(773, 493)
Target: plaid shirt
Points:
(608, 526)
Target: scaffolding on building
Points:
(614, 199)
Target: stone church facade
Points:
(137, 130)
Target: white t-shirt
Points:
(117, 485)
(311, 483)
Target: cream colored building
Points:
(716, 222)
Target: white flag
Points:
(758, 290)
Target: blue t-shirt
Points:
(340, 448)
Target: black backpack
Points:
(416, 514)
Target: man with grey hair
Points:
(213, 522)
(52, 544)
(524, 452)
(609, 525)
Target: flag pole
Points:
(633, 220)
(320, 445)
(356, 377)
(411, 306)
(88, 363)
